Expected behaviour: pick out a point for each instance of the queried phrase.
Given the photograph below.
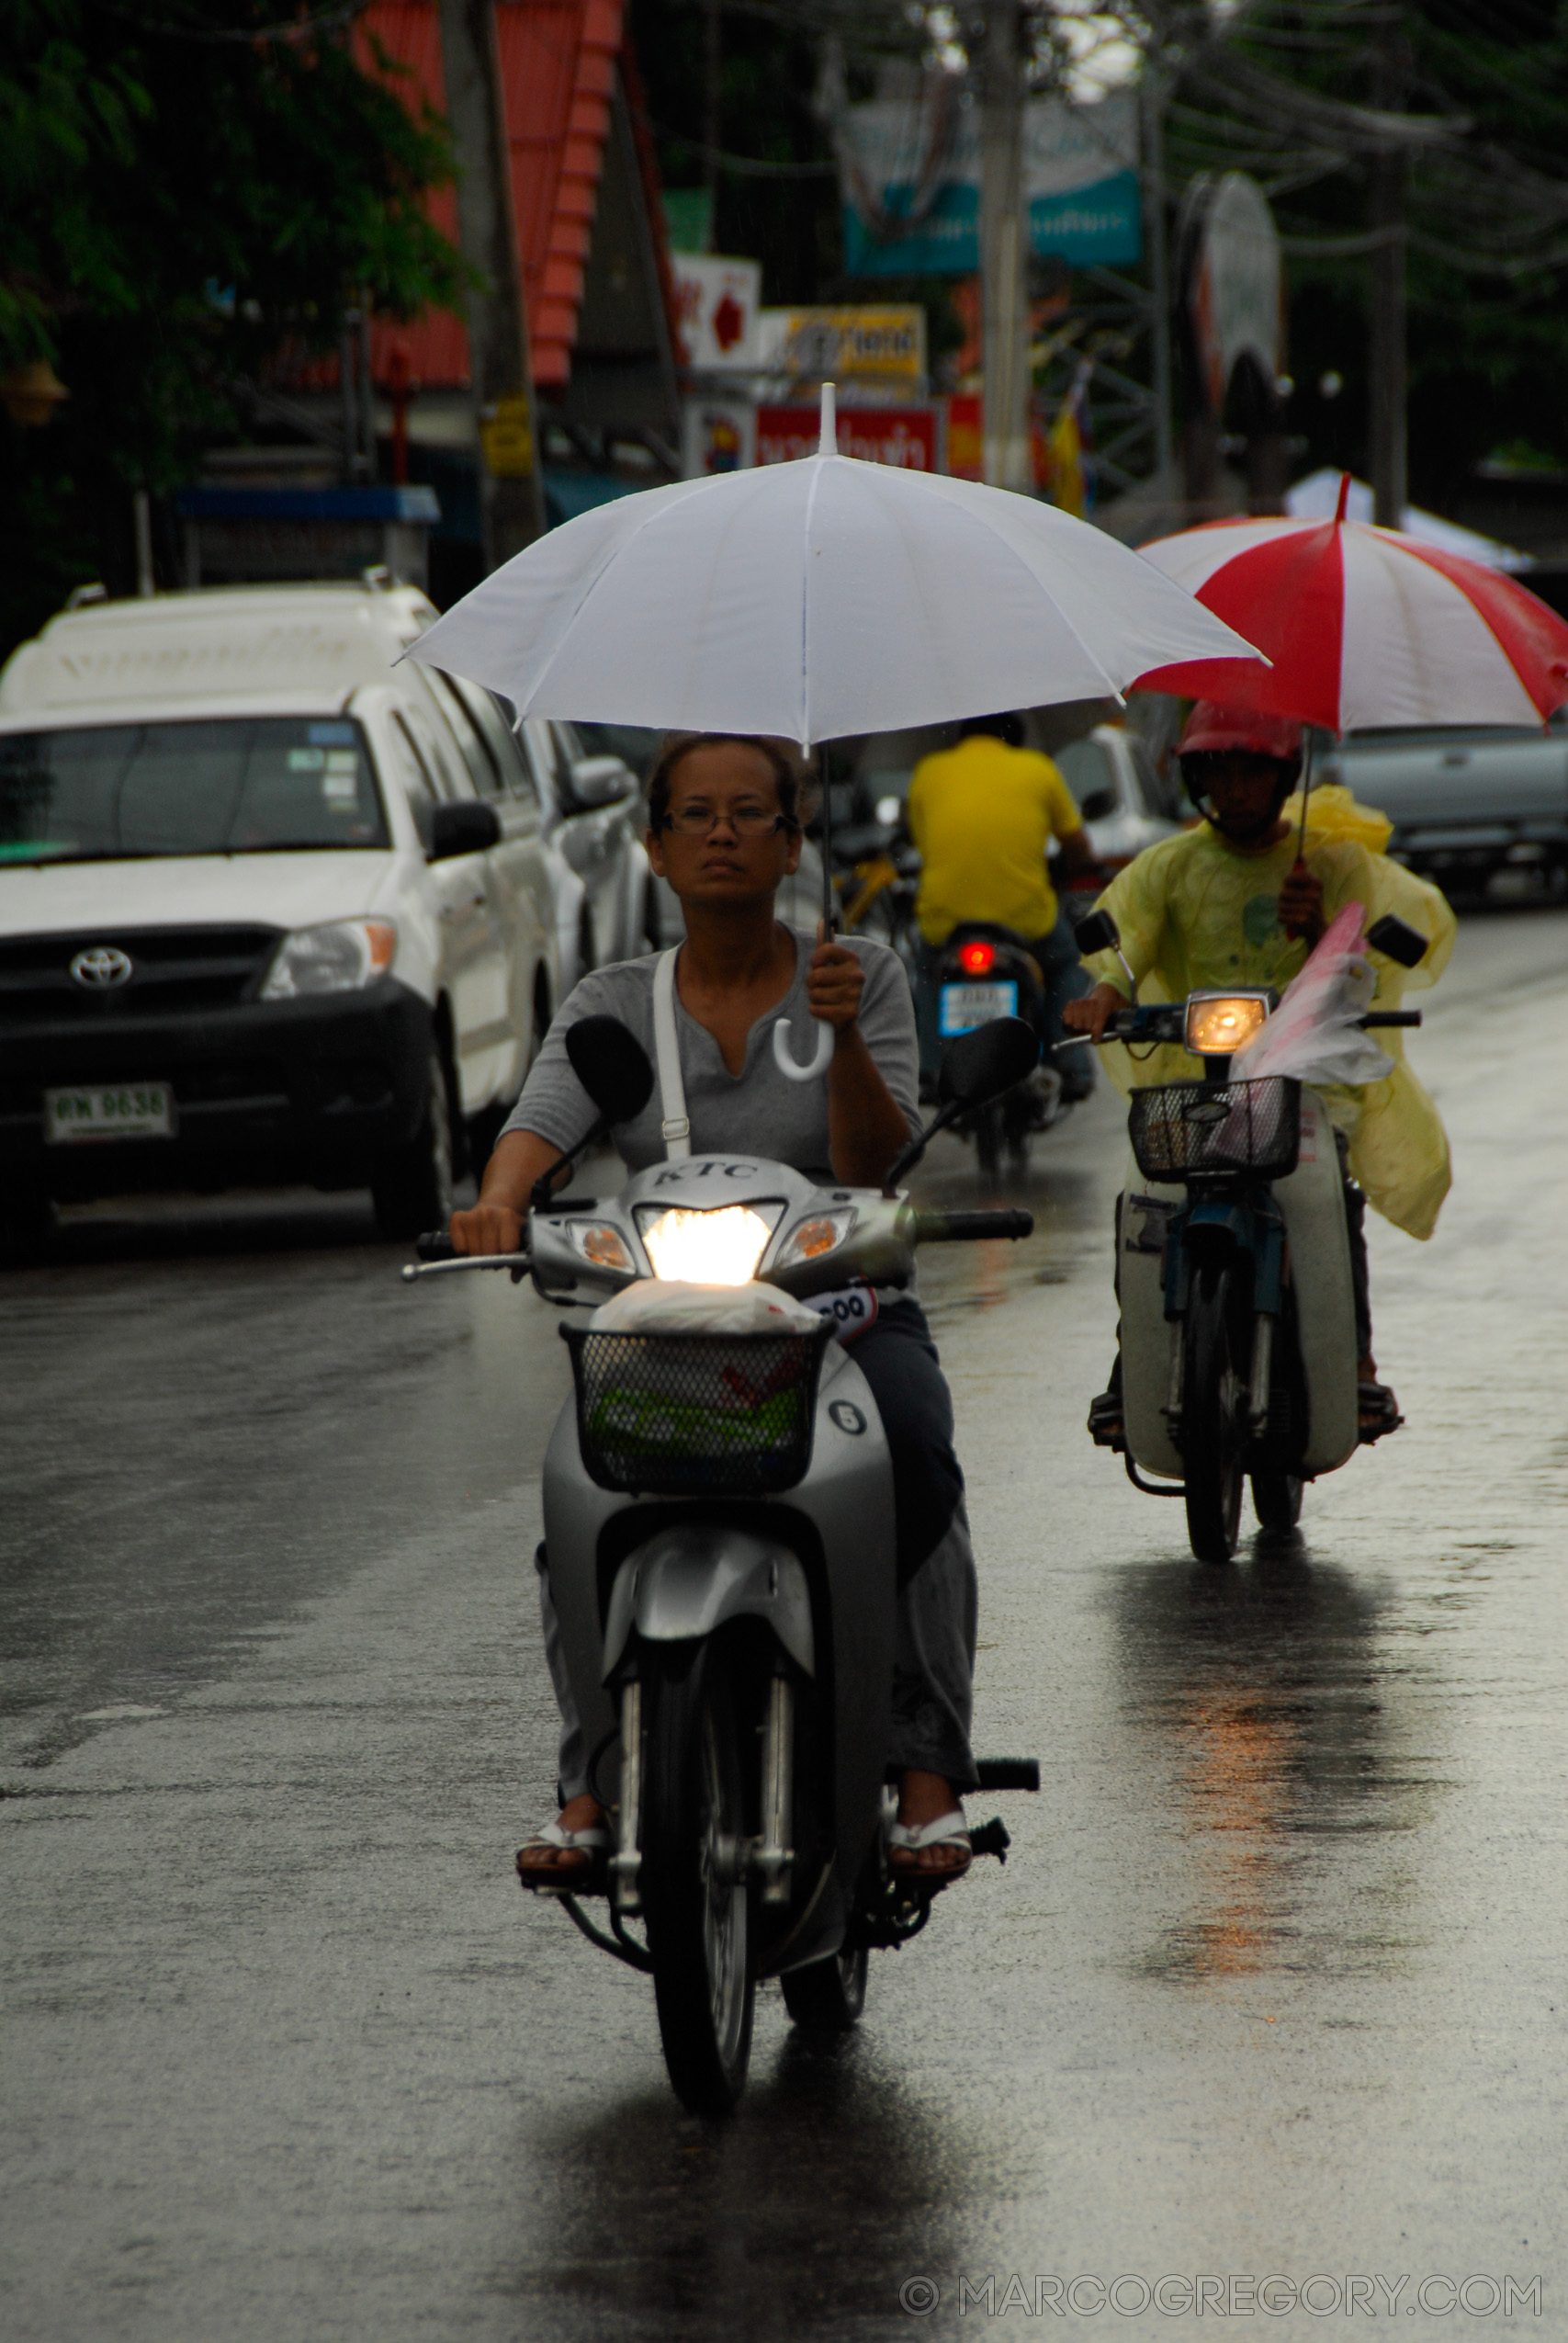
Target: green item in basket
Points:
(643, 1423)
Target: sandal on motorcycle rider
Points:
(1106, 1413)
(1377, 1409)
(929, 1845)
(559, 1860)
(945, 1836)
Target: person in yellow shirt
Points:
(982, 816)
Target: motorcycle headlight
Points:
(600, 1245)
(717, 1247)
(339, 957)
(1219, 1024)
(809, 1239)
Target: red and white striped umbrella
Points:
(1364, 626)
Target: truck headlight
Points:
(339, 957)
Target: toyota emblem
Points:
(102, 968)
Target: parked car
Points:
(1466, 804)
(270, 908)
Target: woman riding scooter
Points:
(1230, 903)
(725, 817)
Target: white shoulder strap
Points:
(675, 1129)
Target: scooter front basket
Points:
(1187, 1129)
(688, 1415)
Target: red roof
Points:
(558, 64)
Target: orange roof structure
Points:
(559, 61)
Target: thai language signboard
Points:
(909, 436)
(911, 185)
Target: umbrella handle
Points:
(785, 1060)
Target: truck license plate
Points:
(109, 1110)
(964, 1006)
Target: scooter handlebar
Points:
(970, 1228)
(435, 1245)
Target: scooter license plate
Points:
(964, 1006)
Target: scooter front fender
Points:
(688, 1580)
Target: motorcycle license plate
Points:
(964, 1006)
(109, 1110)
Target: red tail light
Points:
(977, 959)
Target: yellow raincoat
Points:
(1194, 913)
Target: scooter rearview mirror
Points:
(612, 1065)
(982, 1063)
(1397, 940)
(1098, 932)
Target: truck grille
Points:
(174, 972)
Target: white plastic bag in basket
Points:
(1313, 1035)
(669, 1306)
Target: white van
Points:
(270, 908)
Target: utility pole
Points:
(1004, 251)
(1386, 176)
(511, 503)
(1154, 91)
(712, 115)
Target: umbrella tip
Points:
(1344, 496)
(828, 440)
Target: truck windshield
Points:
(216, 785)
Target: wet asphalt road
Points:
(1275, 1982)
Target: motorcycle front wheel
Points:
(1211, 1430)
(1276, 1499)
(694, 1832)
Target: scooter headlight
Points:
(809, 1239)
(717, 1247)
(1219, 1024)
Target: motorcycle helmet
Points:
(1215, 730)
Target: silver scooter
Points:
(718, 1518)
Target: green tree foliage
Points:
(186, 189)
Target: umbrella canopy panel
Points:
(818, 599)
(1364, 628)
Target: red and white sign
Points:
(908, 436)
(718, 301)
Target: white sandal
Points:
(945, 1830)
(558, 1879)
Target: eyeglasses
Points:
(696, 820)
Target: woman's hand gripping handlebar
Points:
(438, 1257)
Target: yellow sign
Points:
(883, 342)
(506, 439)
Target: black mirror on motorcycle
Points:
(1098, 932)
(612, 1065)
(975, 1068)
(982, 1063)
(1397, 940)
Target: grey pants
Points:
(933, 1652)
(933, 1668)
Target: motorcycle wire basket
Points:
(1185, 1130)
(696, 1415)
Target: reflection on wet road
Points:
(1272, 1984)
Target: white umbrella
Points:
(815, 599)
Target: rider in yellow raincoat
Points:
(1228, 904)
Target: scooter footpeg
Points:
(993, 1837)
(1007, 1774)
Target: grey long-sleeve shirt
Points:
(757, 1112)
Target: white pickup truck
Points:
(1466, 802)
(275, 908)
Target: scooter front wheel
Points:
(695, 1837)
(1276, 1500)
(1211, 1431)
